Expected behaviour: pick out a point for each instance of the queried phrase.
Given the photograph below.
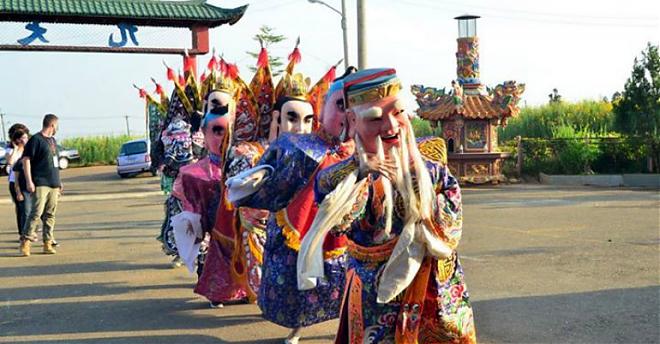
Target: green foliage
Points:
(268, 37)
(566, 155)
(539, 121)
(638, 109)
(574, 153)
(97, 150)
(624, 155)
(423, 128)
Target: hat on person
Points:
(370, 85)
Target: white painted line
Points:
(100, 197)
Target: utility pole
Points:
(362, 34)
(4, 133)
(344, 30)
(128, 128)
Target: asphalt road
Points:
(543, 265)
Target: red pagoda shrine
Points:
(470, 113)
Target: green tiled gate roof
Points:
(140, 12)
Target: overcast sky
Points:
(584, 48)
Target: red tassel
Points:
(262, 61)
(159, 89)
(188, 64)
(295, 56)
(182, 80)
(330, 75)
(213, 63)
(232, 71)
(170, 74)
(143, 93)
(223, 67)
(203, 77)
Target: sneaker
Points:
(55, 243)
(216, 305)
(177, 262)
(292, 340)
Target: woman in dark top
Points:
(18, 134)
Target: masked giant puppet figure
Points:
(236, 243)
(199, 189)
(181, 142)
(280, 184)
(401, 210)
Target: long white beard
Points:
(415, 191)
(414, 241)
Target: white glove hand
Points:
(247, 182)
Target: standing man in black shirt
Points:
(42, 178)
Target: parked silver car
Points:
(134, 159)
(3, 161)
(66, 155)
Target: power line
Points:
(543, 17)
(553, 14)
(72, 118)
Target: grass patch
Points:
(97, 150)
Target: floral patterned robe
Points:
(435, 308)
(288, 194)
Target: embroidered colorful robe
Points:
(288, 194)
(435, 308)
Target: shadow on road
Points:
(610, 316)
(60, 318)
(78, 268)
(82, 290)
(111, 225)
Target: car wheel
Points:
(123, 175)
(64, 163)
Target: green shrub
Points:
(97, 150)
(574, 153)
(539, 121)
(423, 128)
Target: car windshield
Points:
(133, 148)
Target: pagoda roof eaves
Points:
(111, 12)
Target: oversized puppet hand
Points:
(187, 230)
(376, 163)
(247, 182)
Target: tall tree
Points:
(555, 97)
(267, 37)
(638, 110)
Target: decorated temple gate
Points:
(470, 113)
(112, 26)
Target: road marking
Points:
(100, 197)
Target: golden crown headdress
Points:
(294, 86)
